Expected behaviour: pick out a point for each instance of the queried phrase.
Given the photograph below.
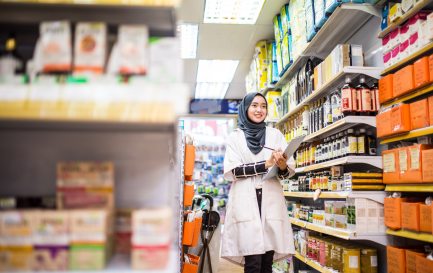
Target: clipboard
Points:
(289, 151)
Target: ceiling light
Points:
(211, 90)
(216, 70)
(232, 11)
(188, 40)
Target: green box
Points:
(87, 257)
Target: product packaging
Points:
(55, 48)
(90, 47)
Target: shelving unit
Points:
(351, 71)
(424, 237)
(420, 53)
(418, 6)
(122, 264)
(341, 125)
(265, 90)
(341, 233)
(345, 21)
(410, 135)
(377, 196)
(375, 161)
(412, 95)
(420, 187)
(314, 264)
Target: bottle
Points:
(11, 62)
(325, 149)
(305, 121)
(327, 111)
(334, 147)
(320, 109)
(339, 144)
(362, 142)
(352, 142)
(336, 106)
(364, 97)
(372, 146)
(375, 97)
(348, 98)
(345, 144)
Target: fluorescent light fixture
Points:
(216, 70)
(188, 40)
(232, 11)
(211, 90)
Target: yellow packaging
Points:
(273, 97)
(368, 260)
(285, 51)
(351, 260)
(19, 258)
(16, 227)
(89, 226)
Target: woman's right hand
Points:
(271, 161)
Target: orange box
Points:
(400, 119)
(188, 194)
(197, 229)
(411, 260)
(385, 88)
(427, 165)
(403, 165)
(396, 259)
(425, 215)
(419, 114)
(421, 72)
(414, 173)
(430, 64)
(392, 212)
(410, 216)
(188, 233)
(192, 265)
(383, 124)
(423, 265)
(403, 81)
(430, 110)
(189, 161)
(391, 172)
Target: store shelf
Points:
(412, 95)
(147, 3)
(341, 125)
(341, 233)
(418, 6)
(161, 21)
(313, 264)
(420, 187)
(420, 53)
(375, 161)
(345, 21)
(377, 196)
(425, 237)
(337, 81)
(412, 134)
(269, 88)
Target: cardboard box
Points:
(430, 110)
(123, 231)
(385, 88)
(423, 265)
(391, 172)
(17, 227)
(403, 164)
(51, 228)
(189, 161)
(273, 98)
(392, 212)
(427, 165)
(419, 114)
(411, 259)
(421, 72)
(148, 258)
(351, 260)
(50, 258)
(85, 174)
(89, 226)
(403, 81)
(415, 167)
(430, 65)
(410, 216)
(19, 258)
(383, 123)
(369, 260)
(85, 198)
(87, 257)
(425, 215)
(400, 119)
(151, 227)
(396, 259)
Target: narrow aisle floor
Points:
(228, 267)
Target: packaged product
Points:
(90, 47)
(55, 48)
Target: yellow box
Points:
(273, 98)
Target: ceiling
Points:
(227, 42)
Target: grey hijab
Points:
(255, 133)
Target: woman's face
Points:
(258, 109)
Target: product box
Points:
(51, 228)
(285, 53)
(395, 12)
(151, 227)
(89, 226)
(387, 56)
(392, 212)
(423, 265)
(340, 221)
(279, 59)
(411, 259)
(430, 64)
(385, 88)
(404, 49)
(87, 257)
(357, 55)
(406, 5)
(395, 55)
(132, 50)
(391, 172)
(351, 260)
(396, 259)
(400, 119)
(427, 165)
(421, 72)
(404, 32)
(273, 98)
(17, 258)
(403, 81)
(123, 231)
(90, 47)
(50, 258)
(386, 44)
(17, 227)
(285, 19)
(369, 260)
(395, 38)
(419, 114)
(415, 167)
(430, 110)
(403, 164)
(54, 46)
(277, 28)
(150, 258)
(85, 174)
(410, 216)
(383, 123)
(85, 197)
(425, 215)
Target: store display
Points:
(90, 47)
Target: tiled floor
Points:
(228, 267)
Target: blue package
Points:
(331, 5)
(319, 13)
(274, 51)
(309, 17)
(285, 19)
(275, 76)
(290, 46)
(277, 28)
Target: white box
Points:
(404, 49)
(51, 228)
(386, 43)
(404, 32)
(16, 228)
(406, 5)
(151, 227)
(89, 226)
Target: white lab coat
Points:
(245, 233)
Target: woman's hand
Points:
(280, 159)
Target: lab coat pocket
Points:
(243, 211)
(274, 209)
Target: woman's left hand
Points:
(280, 159)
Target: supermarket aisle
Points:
(228, 267)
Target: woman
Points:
(257, 230)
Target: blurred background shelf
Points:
(412, 134)
(375, 161)
(425, 237)
(377, 196)
(313, 264)
(420, 187)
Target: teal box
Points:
(285, 51)
(285, 19)
(279, 59)
(277, 28)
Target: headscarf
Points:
(255, 133)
